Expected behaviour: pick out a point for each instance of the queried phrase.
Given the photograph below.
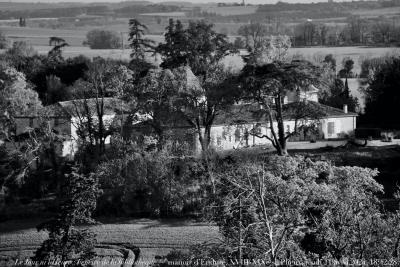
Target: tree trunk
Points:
(204, 138)
(282, 148)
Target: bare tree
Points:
(254, 34)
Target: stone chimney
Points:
(345, 108)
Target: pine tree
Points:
(138, 44)
(346, 90)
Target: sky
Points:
(157, 1)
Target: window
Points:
(331, 128)
(219, 141)
(237, 135)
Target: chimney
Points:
(345, 108)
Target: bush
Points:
(311, 210)
(103, 39)
(150, 183)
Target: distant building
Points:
(227, 134)
(65, 118)
(232, 129)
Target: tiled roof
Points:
(335, 112)
(250, 113)
(78, 106)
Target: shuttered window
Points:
(331, 127)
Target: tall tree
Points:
(283, 196)
(153, 95)
(339, 95)
(268, 85)
(202, 81)
(382, 96)
(272, 48)
(381, 30)
(199, 102)
(329, 59)
(55, 53)
(354, 32)
(347, 67)
(197, 46)
(16, 98)
(254, 34)
(104, 82)
(138, 43)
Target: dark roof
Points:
(78, 106)
(335, 112)
(250, 113)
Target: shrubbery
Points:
(150, 183)
(292, 208)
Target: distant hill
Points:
(122, 9)
(227, 13)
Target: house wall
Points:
(64, 126)
(70, 147)
(343, 127)
(234, 136)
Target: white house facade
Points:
(66, 118)
(334, 124)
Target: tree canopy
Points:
(103, 39)
(269, 84)
(383, 96)
(339, 95)
(198, 46)
(16, 96)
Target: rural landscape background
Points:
(136, 191)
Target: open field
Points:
(387, 11)
(232, 10)
(153, 237)
(74, 37)
(310, 53)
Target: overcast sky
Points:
(193, 1)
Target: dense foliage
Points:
(339, 95)
(150, 183)
(197, 46)
(382, 95)
(103, 39)
(66, 242)
(279, 209)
